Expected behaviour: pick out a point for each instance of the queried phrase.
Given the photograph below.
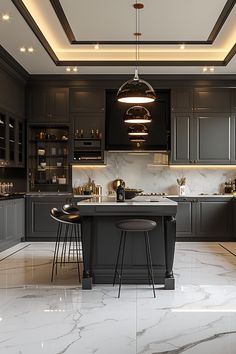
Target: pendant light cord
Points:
(137, 41)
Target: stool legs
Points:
(148, 257)
(122, 262)
(118, 257)
(57, 245)
(149, 263)
(72, 236)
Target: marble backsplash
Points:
(141, 171)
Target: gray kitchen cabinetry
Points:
(12, 142)
(182, 100)
(12, 222)
(87, 100)
(233, 100)
(212, 138)
(204, 218)
(215, 219)
(186, 217)
(181, 138)
(212, 100)
(40, 225)
(49, 104)
(87, 112)
(201, 138)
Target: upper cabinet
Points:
(11, 140)
(201, 138)
(49, 105)
(212, 100)
(87, 100)
(181, 100)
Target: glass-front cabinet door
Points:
(3, 139)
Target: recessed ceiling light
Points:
(5, 17)
(182, 46)
(204, 69)
(68, 69)
(30, 49)
(212, 69)
(22, 49)
(96, 46)
(75, 69)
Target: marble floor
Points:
(198, 317)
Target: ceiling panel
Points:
(40, 62)
(159, 20)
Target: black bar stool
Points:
(134, 225)
(72, 209)
(70, 223)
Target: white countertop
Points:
(140, 200)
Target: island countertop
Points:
(137, 201)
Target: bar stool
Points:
(68, 221)
(134, 225)
(72, 209)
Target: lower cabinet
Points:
(204, 218)
(12, 222)
(39, 224)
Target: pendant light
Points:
(137, 130)
(136, 90)
(137, 114)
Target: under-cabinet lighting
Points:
(203, 166)
(182, 46)
(30, 49)
(22, 50)
(96, 46)
(212, 69)
(89, 166)
(204, 69)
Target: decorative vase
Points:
(182, 190)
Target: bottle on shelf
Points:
(97, 133)
(54, 178)
(120, 194)
(92, 133)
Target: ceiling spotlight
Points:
(204, 69)
(137, 130)
(212, 69)
(75, 69)
(96, 46)
(22, 50)
(68, 69)
(5, 17)
(182, 46)
(30, 49)
(137, 115)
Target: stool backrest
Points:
(70, 209)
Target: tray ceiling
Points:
(63, 33)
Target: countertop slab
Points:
(137, 201)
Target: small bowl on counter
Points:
(131, 193)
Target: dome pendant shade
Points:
(137, 130)
(136, 91)
(137, 115)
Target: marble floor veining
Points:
(40, 317)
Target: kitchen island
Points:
(101, 239)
